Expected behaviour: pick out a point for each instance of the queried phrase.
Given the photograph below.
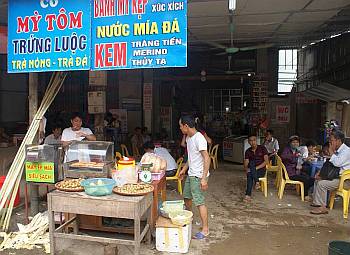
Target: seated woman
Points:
(290, 156)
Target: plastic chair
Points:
(176, 176)
(125, 151)
(118, 156)
(285, 180)
(263, 184)
(210, 146)
(345, 194)
(275, 169)
(136, 152)
(214, 156)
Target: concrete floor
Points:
(267, 226)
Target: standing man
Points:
(198, 171)
(340, 157)
(77, 133)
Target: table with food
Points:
(95, 193)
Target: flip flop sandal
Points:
(314, 205)
(200, 236)
(319, 212)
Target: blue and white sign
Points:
(49, 35)
(130, 34)
(64, 35)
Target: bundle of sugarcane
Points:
(29, 236)
(10, 187)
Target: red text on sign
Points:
(110, 54)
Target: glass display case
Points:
(88, 159)
(44, 163)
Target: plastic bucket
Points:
(17, 199)
(123, 163)
(339, 248)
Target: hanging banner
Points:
(48, 35)
(130, 34)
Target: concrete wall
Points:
(13, 96)
(130, 87)
(267, 62)
(310, 121)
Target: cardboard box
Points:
(97, 78)
(94, 109)
(172, 238)
(97, 98)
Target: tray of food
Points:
(87, 165)
(70, 185)
(134, 189)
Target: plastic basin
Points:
(98, 186)
(181, 218)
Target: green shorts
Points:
(193, 191)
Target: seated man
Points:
(55, 137)
(255, 161)
(164, 154)
(340, 157)
(271, 145)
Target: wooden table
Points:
(17, 139)
(114, 206)
(159, 188)
(89, 222)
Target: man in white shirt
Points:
(271, 145)
(340, 157)
(76, 133)
(55, 137)
(198, 171)
(164, 154)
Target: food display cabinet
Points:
(43, 163)
(89, 159)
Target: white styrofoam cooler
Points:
(173, 239)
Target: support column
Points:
(346, 120)
(33, 107)
(148, 99)
(97, 100)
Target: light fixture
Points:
(249, 74)
(231, 5)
